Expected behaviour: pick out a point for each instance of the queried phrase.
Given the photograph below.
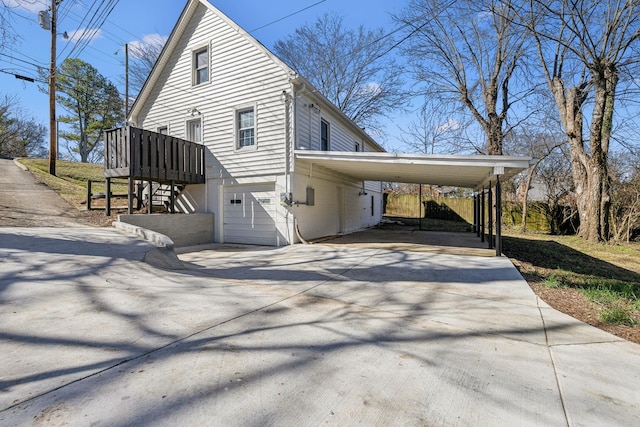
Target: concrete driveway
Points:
(302, 335)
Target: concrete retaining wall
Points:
(183, 229)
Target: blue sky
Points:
(131, 21)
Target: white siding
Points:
(241, 75)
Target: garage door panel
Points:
(249, 214)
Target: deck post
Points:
(107, 196)
(150, 199)
(88, 194)
(130, 195)
(172, 198)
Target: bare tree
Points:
(585, 48)
(625, 206)
(20, 135)
(468, 52)
(351, 68)
(435, 129)
(8, 34)
(143, 54)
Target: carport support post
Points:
(482, 216)
(475, 213)
(498, 218)
(490, 233)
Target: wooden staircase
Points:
(163, 197)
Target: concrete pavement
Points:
(24, 201)
(338, 334)
(301, 335)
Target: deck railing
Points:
(135, 153)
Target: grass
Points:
(71, 178)
(606, 274)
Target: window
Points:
(194, 130)
(357, 146)
(324, 136)
(246, 127)
(163, 130)
(201, 66)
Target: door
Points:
(249, 214)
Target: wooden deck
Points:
(144, 155)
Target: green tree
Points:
(93, 104)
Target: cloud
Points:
(449, 125)
(84, 33)
(155, 42)
(33, 6)
(370, 89)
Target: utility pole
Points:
(53, 134)
(126, 83)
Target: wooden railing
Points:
(135, 153)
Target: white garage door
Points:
(249, 214)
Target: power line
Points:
(288, 16)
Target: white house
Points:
(216, 85)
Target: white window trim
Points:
(194, 71)
(236, 128)
(186, 129)
(163, 126)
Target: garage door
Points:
(249, 214)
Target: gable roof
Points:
(175, 36)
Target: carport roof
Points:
(458, 171)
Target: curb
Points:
(163, 255)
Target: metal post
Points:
(475, 214)
(498, 218)
(420, 206)
(482, 216)
(490, 207)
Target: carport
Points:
(483, 174)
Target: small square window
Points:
(201, 66)
(246, 127)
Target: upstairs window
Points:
(324, 136)
(357, 147)
(201, 66)
(194, 130)
(246, 127)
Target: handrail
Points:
(141, 154)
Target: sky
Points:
(131, 21)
